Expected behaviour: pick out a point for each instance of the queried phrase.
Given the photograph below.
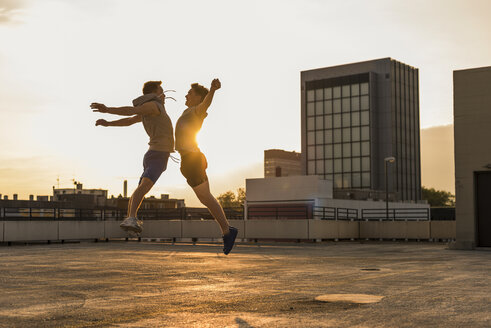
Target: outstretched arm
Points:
(203, 106)
(145, 109)
(122, 122)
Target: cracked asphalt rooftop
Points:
(157, 284)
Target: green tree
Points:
(438, 197)
(230, 199)
(241, 196)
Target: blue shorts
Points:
(154, 163)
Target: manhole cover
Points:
(349, 298)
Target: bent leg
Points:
(137, 197)
(204, 195)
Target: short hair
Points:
(200, 90)
(151, 87)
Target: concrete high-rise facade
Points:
(356, 115)
(472, 121)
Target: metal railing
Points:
(279, 212)
(333, 213)
(378, 214)
(67, 214)
(396, 214)
(189, 213)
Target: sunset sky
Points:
(56, 57)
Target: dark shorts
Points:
(193, 168)
(154, 163)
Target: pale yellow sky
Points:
(59, 56)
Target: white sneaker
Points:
(132, 224)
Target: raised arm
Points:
(145, 109)
(203, 106)
(122, 122)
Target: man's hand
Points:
(101, 122)
(99, 107)
(215, 85)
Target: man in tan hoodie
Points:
(148, 109)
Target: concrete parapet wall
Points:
(80, 230)
(200, 229)
(161, 229)
(348, 230)
(370, 229)
(395, 229)
(418, 230)
(323, 229)
(327, 229)
(443, 230)
(392, 230)
(112, 230)
(11, 231)
(277, 229)
(239, 224)
(30, 230)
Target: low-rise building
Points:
(281, 163)
(312, 197)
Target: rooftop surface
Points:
(150, 284)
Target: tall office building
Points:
(356, 115)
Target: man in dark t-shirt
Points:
(193, 161)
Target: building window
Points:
(336, 121)
(355, 134)
(310, 139)
(328, 107)
(319, 108)
(310, 109)
(327, 135)
(337, 151)
(346, 134)
(347, 181)
(319, 123)
(365, 148)
(336, 106)
(355, 164)
(338, 181)
(365, 133)
(355, 89)
(347, 150)
(327, 93)
(336, 135)
(310, 95)
(310, 124)
(336, 92)
(346, 106)
(356, 181)
(364, 103)
(328, 151)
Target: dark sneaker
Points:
(229, 240)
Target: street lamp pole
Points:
(387, 160)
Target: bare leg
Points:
(129, 206)
(206, 198)
(137, 197)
